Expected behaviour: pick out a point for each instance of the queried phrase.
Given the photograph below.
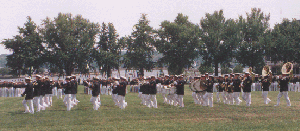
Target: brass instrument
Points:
(251, 74)
(287, 69)
(267, 72)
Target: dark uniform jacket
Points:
(220, 88)
(247, 84)
(47, 86)
(228, 86)
(115, 89)
(180, 88)
(210, 85)
(28, 92)
(236, 85)
(122, 88)
(265, 84)
(96, 89)
(283, 83)
(37, 88)
(43, 88)
(145, 89)
(68, 88)
(152, 87)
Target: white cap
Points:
(38, 76)
(27, 78)
(96, 78)
(123, 77)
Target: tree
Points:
(220, 38)
(206, 69)
(238, 69)
(27, 49)
(284, 43)
(69, 41)
(178, 41)
(4, 71)
(107, 53)
(140, 48)
(251, 50)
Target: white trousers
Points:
(68, 101)
(4, 92)
(115, 99)
(152, 102)
(42, 102)
(180, 100)
(48, 99)
(285, 94)
(96, 103)
(164, 93)
(30, 109)
(247, 98)
(201, 98)
(54, 91)
(11, 92)
(59, 93)
(297, 87)
(36, 101)
(236, 97)
(209, 99)
(230, 99)
(196, 100)
(265, 97)
(223, 96)
(122, 104)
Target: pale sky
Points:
(125, 13)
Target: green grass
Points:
(138, 117)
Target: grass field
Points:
(138, 117)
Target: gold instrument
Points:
(287, 69)
(267, 72)
(203, 85)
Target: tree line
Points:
(68, 42)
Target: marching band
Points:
(229, 87)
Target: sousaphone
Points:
(266, 71)
(287, 68)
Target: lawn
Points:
(139, 117)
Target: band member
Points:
(29, 96)
(74, 99)
(43, 93)
(48, 92)
(59, 89)
(236, 89)
(145, 90)
(247, 89)
(209, 91)
(115, 87)
(166, 84)
(122, 93)
(95, 93)
(36, 93)
(265, 84)
(221, 89)
(195, 83)
(141, 88)
(152, 93)
(180, 91)
(283, 85)
(229, 90)
(201, 94)
(68, 93)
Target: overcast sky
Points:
(125, 13)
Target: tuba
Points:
(267, 72)
(287, 69)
